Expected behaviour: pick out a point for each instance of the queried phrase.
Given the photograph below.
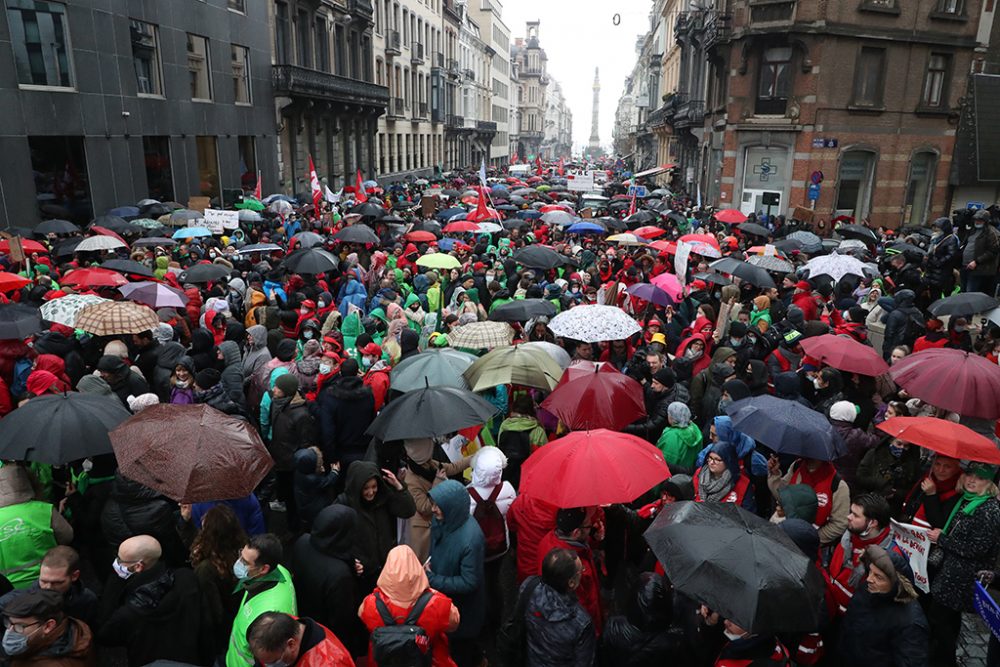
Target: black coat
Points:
(133, 509)
(128, 383)
(155, 615)
(879, 631)
(345, 409)
(651, 426)
(326, 586)
(558, 630)
(970, 545)
(942, 259)
(292, 428)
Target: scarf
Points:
(714, 488)
(967, 505)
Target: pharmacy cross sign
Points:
(765, 169)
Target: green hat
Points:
(982, 470)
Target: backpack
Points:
(516, 445)
(403, 644)
(22, 369)
(512, 640)
(491, 522)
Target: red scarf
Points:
(945, 491)
(821, 481)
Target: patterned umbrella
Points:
(481, 335)
(593, 324)
(770, 263)
(835, 266)
(64, 309)
(808, 241)
(116, 317)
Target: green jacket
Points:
(537, 435)
(27, 534)
(680, 446)
(280, 597)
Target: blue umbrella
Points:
(125, 212)
(529, 215)
(191, 232)
(448, 243)
(585, 228)
(787, 427)
(651, 293)
(499, 187)
(450, 212)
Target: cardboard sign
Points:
(16, 249)
(802, 213)
(427, 206)
(199, 203)
(217, 220)
(587, 213)
(915, 543)
(681, 261)
(580, 182)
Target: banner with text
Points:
(218, 221)
(915, 543)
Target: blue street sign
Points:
(813, 191)
(637, 190)
(975, 205)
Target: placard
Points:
(915, 543)
(987, 608)
(217, 221)
(582, 182)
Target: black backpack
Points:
(512, 639)
(403, 644)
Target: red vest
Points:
(735, 495)
(821, 481)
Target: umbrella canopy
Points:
(247, 215)
(128, 266)
(593, 324)
(807, 241)
(481, 335)
(204, 273)
(369, 209)
(100, 243)
(670, 284)
(754, 275)
(528, 367)
(307, 240)
(191, 232)
(154, 295)
(730, 216)
(60, 428)
(64, 309)
(439, 260)
(845, 354)
(461, 227)
(627, 239)
(651, 293)
(357, 234)
(558, 354)
(155, 241)
(19, 321)
(585, 228)
(835, 266)
(11, 281)
(771, 263)
(191, 453)
(93, 278)
(56, 227)
(112, 318)
(259, 247)
(539, 257)
(951, 379)
(436, 368)
(604, 398)
(310, 261)
(859, 232)
(430, 412)
(787, 427)
(249, 204)
(739, 565)
(712, 277)
(942, 436)
(964, 303)
(522, 310)
(420, 236)
(595, 467)
(754, 229)
(26, 244)
(650, 232)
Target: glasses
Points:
(18, 627)
(714, 459)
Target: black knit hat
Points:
(208, 378)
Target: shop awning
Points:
(656, 171)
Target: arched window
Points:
(856, 181)
(920, 187)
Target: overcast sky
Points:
(579, 35)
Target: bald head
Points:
(141, 549)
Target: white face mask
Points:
(321, 304)
(325, 369)
(307, 334)
(303, 311)
(732, 636)
(816, 383)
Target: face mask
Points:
(15, 643)
(937, 233)
(181, 384)
(307, 334)
(325, 369)
(367, 362)
(490, 277)
(979, 225)
(717, 295)
(303, 311)
(735, 342)
(240, 570)
(961, 329)
(321, 304)
(731, 636)
(692, 354)
(121, 570)
(816, 383)
(896, 450)
(723, 404)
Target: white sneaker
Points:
(277, 506)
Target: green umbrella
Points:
(529, 367)
(434, 368)
(439, 260)
(250, 204)
(147, 223)
(544, 188)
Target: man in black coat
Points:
(147, 354)
(292, 428)
(942, 259)
(150, 609)
(345, 409)
(122, 380)
(662, 390)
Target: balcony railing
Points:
(398, 107)
(717, 30)
(392, 43)
(438, 60)
(469, 74)
(293, 80)
(452, 65)
(486, 126)
(417, 52)
(453, 121)
(419, 111)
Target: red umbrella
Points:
(730, 216)
(603, 398)
(845, 354)
(421, 237)
(669, 247)
(943, 436)
(951, 379)
(11, 281)
(27, 244)
(702, 238)
(649, 232)
(548, 208)
(588, 468)
(94, 278)
(460, 226)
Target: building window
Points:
(145, 58)
(303, 42)
(340, 50)
(248, 163)
(199, 67)
(281, 32)
(208, 167)
(855, 180)
(40, 38)
(921, 186)
(935, 93)
(322, 45)
(950, 6)
(59, 166)
(159, 176)
(869, 77)
(241, 74)
(237, 5)
(775, 81)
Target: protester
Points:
(40, 632)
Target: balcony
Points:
(397, 108)
(392, 43)
(362, 7)
(419, 112)
(469, 75)
(454, 122)
(486, 127)
(532, 71)
(717, 29)
(690, 113)
(417, 53)
(438, 60)
(451, 10)
(294, 81)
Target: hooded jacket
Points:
(326, 587)
(457, 551)
(292, 427)
(170, 357)
(232, 373)
(134, 509)
(898, 330)
(559, 632)
(311, 489)
(257, 354)
(706, 386)
(346, 408)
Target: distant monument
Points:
(594, 147)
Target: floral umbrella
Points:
(64, 309)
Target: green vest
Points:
(25, 537)
(280, 597)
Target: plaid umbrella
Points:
(593, 324)
(481, 335)
(116, 317)
(64, 309)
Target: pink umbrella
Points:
(669, 283)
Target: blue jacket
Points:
(353, 292)
(247, 511)
(457, 551)
(725, 432)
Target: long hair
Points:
(220, 539)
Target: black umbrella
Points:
(787, 427)
(357, 234)
(514, 223)
(154, 210)
(613, 224)
(522, 310)
(66, 248)
(112, 222)
(391, 219)
(369, 210)
(430, 412)
(754, 229)
(714, 278)
(859, 232)
(204, 273)
(432, 226)
(640, 218)
(307, 239)
(56, 227)
(964, 303)
(739, 565)
(904, 247)
(152, 241)
(59, 428)
(310, 261)
(539, 257)
(128, 266)
(19, 321)
(754, 275)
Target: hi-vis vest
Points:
(280, 597)
(25, 537)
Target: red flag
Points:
(561, 167)
(257, 190)
(317, 191)
(359, 194)
(515, 159)
(538, 165)
(631, 206)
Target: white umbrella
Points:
(559, 355)
(490, 227)
(64, 309)
(835, 266)
(99, 243)
(593, 324)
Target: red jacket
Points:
(193, 307)
(843, 564)
(589, 590)
(807, 303)
(434, 621)
(329, 652)
(530, 520)
(378, 381)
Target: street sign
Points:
(975, 205)
(813, 194)
(823, 142)
(987, 608)
(637, 191)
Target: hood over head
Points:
(453, 500)
(403, 578)
(333, 532)
(258, 333)
(487, 467)
(358, 473)
(230, 353)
